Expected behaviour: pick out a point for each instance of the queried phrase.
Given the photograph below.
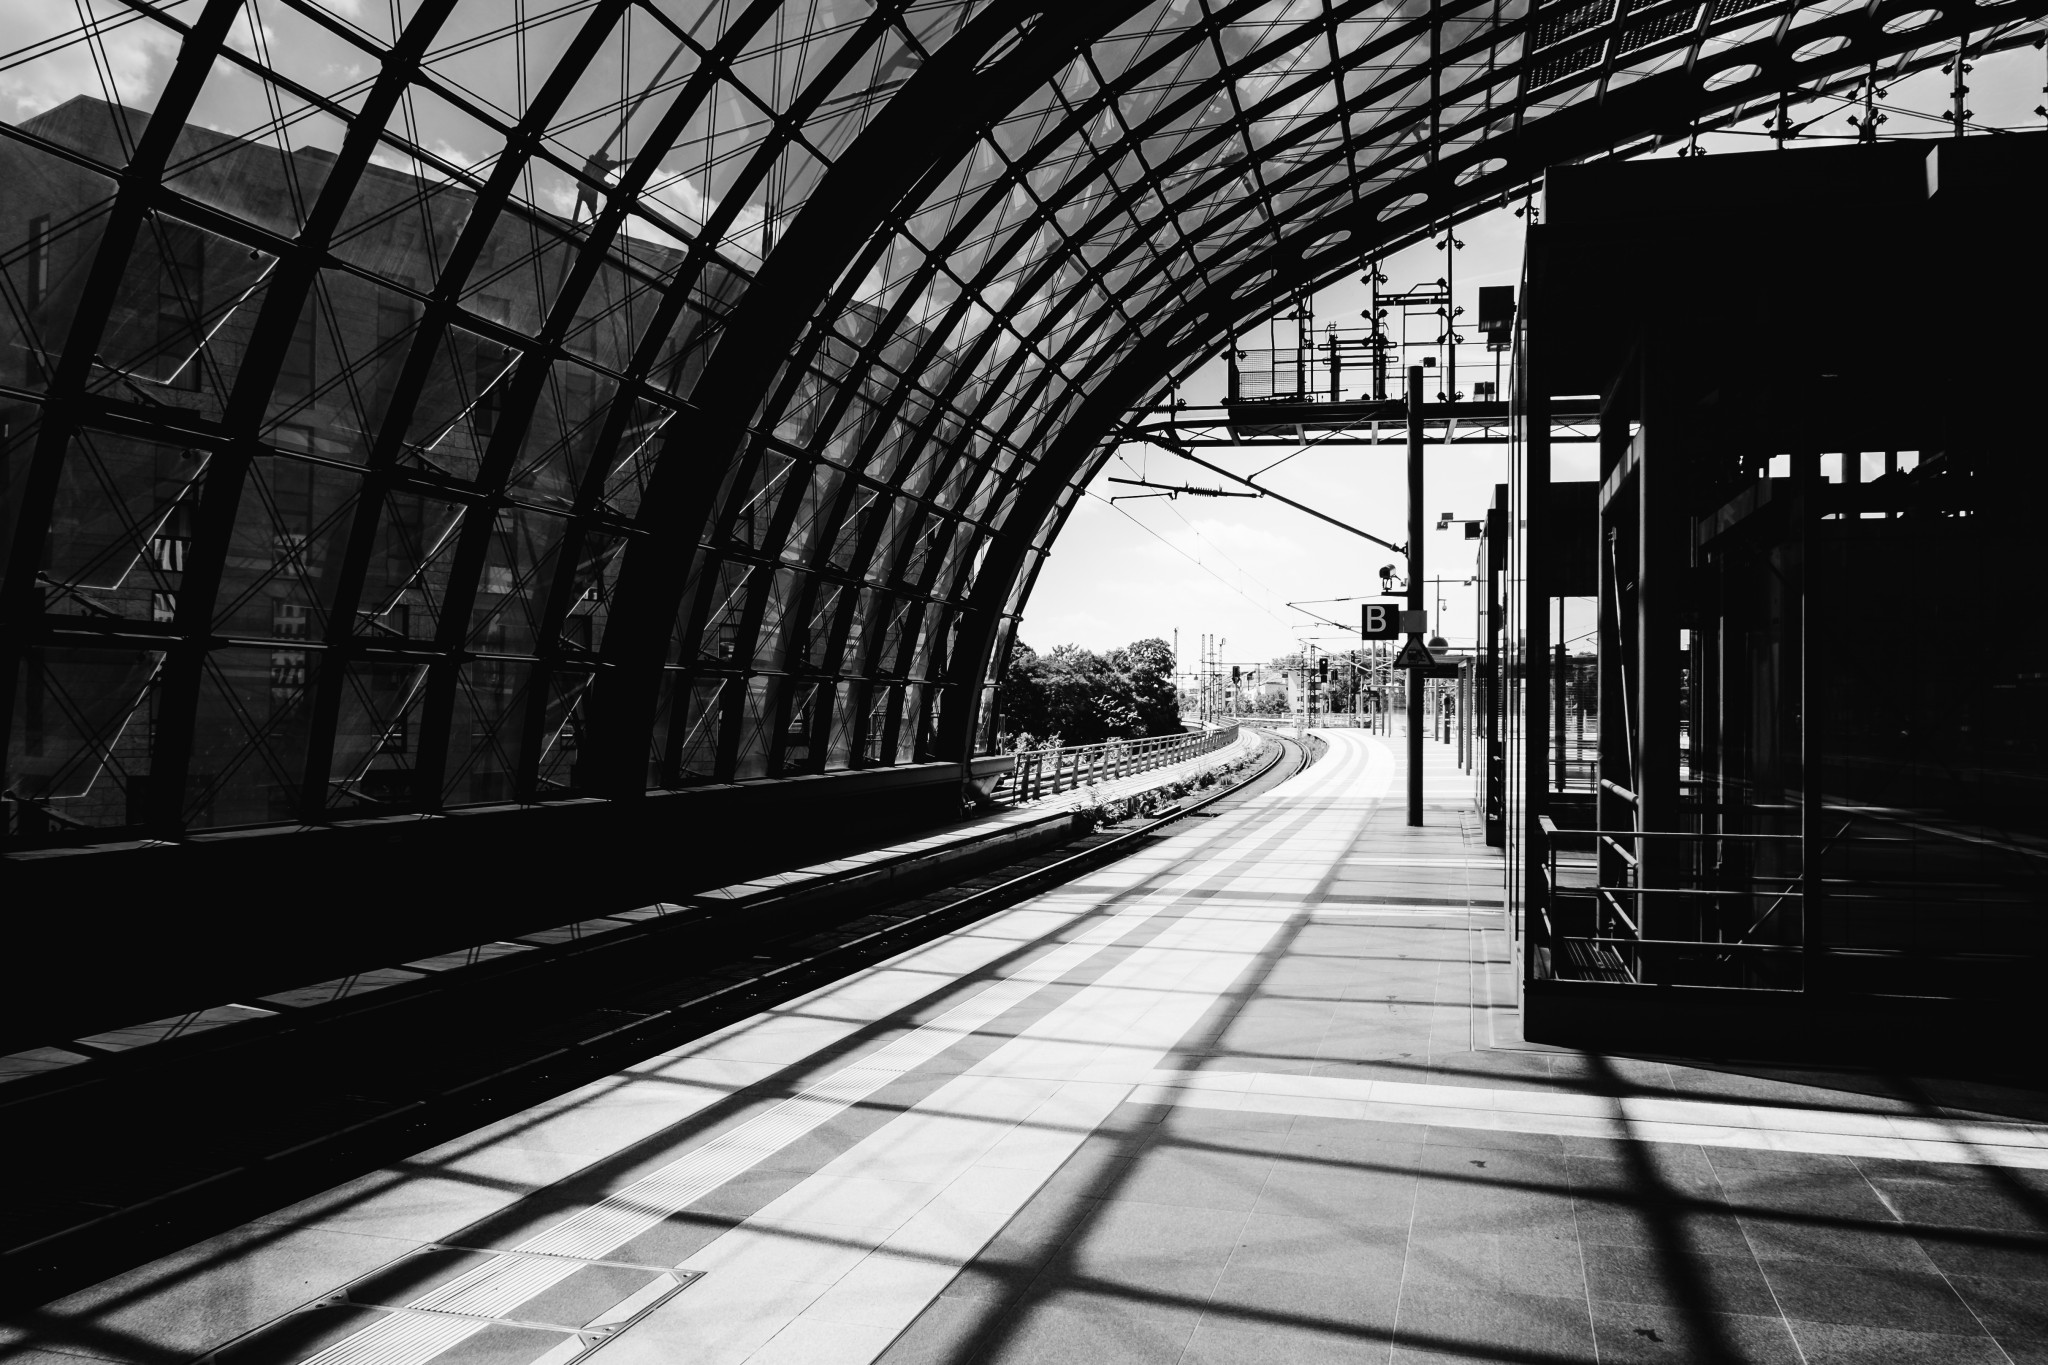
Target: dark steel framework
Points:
(1784, 843)
(733, 366)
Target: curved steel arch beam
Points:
(971, 294)
(535, 364)
(220, 500)
(1075, 122)
(964, 370)
(929, 124)
(1431, 178)
(134, 200)
(736, 477)
(383, 472)
(1555, 139)
(587, 514)
(1585, 130)
(1027, 403)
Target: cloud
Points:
(243, 33)
(136, 51)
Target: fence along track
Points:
(1048, 772)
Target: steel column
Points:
(1661, 546)
(1535, 650)
(1416, 680)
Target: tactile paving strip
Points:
(459, 1306)
(434, 1305)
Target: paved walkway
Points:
(1254, 1095)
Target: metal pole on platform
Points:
(1415, 678)
(1558, 679)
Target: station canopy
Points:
(413, 404)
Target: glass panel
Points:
(846, 543)
(883, 704)
(631, 460)
(721, 638)
(589, 608)
(407, 575)
(699, 729)
(181, 322)
(285, 552)
(412, 201)
(817, 636)
(752, 518)
(341, 368)
(845, 716)
(909, 714)
(466, 390)
(51, 220)
(902, 619)
(815, 503)
(922, 662)
(85, 75)
(249, 738)
(756, 727)
(630, 84)
(122, 528)
(20, 427)
(377, 733)
(774, 643)
(809, 711)
(79, 746)
(484, 734)
(855, 656)
(518, 573)
(254, 148)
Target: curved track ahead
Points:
(283, 1114)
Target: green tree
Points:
(1086, 701)
(1076, 696)
(1020, 698)
(1147, 670)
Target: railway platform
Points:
(1257, 1093)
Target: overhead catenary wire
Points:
(1195, 531)
(1191, 559)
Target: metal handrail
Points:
(1690, 943)
(1686, 891)
(1615, 927)
(1615, 844)
(1048, 772)
(1682, 834)
(1615, 905)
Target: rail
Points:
(1047, 772)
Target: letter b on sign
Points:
(1380, 620)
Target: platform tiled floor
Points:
(1255, 1095)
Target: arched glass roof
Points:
(422, 404)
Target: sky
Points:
(1229, 567)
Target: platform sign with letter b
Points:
(1387, 621)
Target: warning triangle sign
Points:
(1414, 655)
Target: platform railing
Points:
(1864, 900)
(1047, 772)
(1593, 914)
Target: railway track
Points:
(151, 1153)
